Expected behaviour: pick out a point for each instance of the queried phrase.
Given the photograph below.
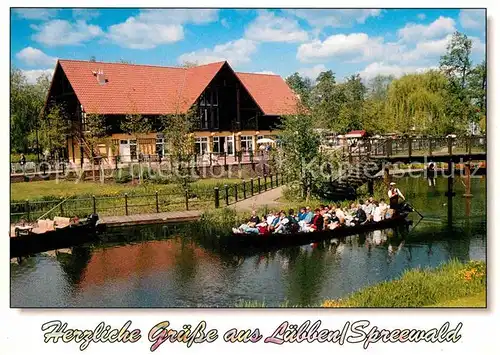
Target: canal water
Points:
(178, 272)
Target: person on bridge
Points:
(394, 195)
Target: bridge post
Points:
(450, 146)
(467, 180)
(409, 147)
(388, 147)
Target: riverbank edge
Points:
(451, 285)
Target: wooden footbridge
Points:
(366, 158)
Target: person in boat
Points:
(254, 218)
(293, 224)
(276, 220)
(360, 216)
(383, 207)
(279, 227)
(332, 221)
(317, 221)
(250, 226)
(368, 208)
(377, 212)
(340, 214)
(263, 226)
(309, 215)
(270, 217)
(302, 214)
(394, 195)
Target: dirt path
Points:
(267, 198)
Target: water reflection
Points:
(152, 269)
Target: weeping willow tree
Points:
(418, 104)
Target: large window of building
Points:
(161, 148)
(209, 109)
(246, 143)
(201, 145)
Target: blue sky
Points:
(308, 41)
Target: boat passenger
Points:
(302, 214)
(263, 226)
(368, 207)
(293, 225)
(271, 216)
(383, 207)
(340, 215)
(254, 218)
(377, 212)
(317, 221)
(309, 215)
(360, 216)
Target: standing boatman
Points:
(394, 195)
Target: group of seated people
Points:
(322, 218)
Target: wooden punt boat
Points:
(280, 240)
(28, 242)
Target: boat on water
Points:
(279, 240)
(52, 234)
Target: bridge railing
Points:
(408, 147)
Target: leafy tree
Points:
(27, 101)
(299, 157)
(178, 134)
(351, 109)
(456, 64)
(96, 129)
(188, 64)
(326, 101)
(54, 129)
(302, 86)
(477, 91)
(136, 125)
(378, 86)
(417, 104)
(92, 58)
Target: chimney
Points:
(100, 77)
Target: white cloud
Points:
(265, 72)
(421, 16)
(356, 45)
(473, 19)
(440, 27)
(35, 57)
(478, 46)
(235, 52)
(35, 14)
(224, 23)
(139, 35)
(32, 75)
(271, 28)
(381, 68)
(151, 28)
(86, 14)
(335, 17)
(312, 72)
(62, 32)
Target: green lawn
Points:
(38, 190)
(475, 301)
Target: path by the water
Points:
(268, 198)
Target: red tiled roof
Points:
(270, 92)
(156, 90)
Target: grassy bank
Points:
(39, 190)
(453, 284)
